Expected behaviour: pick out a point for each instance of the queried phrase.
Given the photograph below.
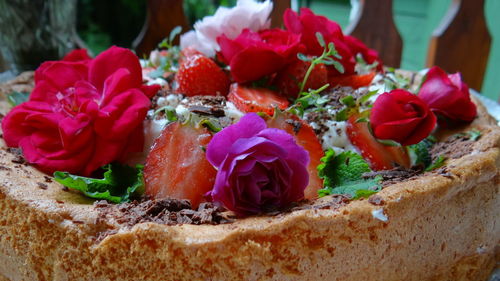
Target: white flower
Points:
(229, 21)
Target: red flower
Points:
(82, 114)
(402, 117)
(447, 96)
(307, 24)
(369, 55)
(78, 55)
(252, 55)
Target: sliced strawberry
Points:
(288, 79)
(249, 99)
(378, 155)
(305, 137)
(354, 81)
(200, 75)
(176, 167)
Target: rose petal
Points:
(248, 126)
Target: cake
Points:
(439, 224)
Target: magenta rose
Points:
(253, 55)
(402, 117)
(258, 168)
(447, 96)
(82, 114)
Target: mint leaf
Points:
(343, 174)
(472, 135)
(16, 98)
(439, 162)
(419, 153)
(120, 182)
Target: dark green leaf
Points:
(16, 98)
(419, 152)
(343, 174)
(169, 113)
(120, 182)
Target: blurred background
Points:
(100, 24)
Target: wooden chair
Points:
(461, 43)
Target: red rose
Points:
(82, 114)
(447, 96)
(78, 55)
(402, 117)
(252, 55)
(369, 55)
(307, 24)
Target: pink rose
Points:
(253, 55)
(402, 117)
(82, 114)
(258, 168)
(447, 96)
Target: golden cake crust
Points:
(440, 226)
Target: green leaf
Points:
(363, 99)
(303, 57)
(439, 162)
(211, 124)
(176, 31)
(343, 174)
(348, 101)
(419, 153)
(474, 135)
(343, 114)
(120, 182)
(321, 40)
(16, 98)
(169, 113)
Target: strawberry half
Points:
(176, 167)
(304, 136)
(354, 81)
(200, 75)
(288, 79)
(378, 155)
(249, 99)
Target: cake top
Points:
(248, 118)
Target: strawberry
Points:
(176, 167)
(354, 81)
(304, 136)
(249, 99)
(200, 75)
(378, 155)
(289, 78)
(188, 52)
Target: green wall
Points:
(416, 19)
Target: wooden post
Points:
(277, 14)
(374, 25)
(462, 42)
(162, 16)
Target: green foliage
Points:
(327, 57)
(312, 98)
(120, 182)
(439, 162)
(343, 174)
(419, 153)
